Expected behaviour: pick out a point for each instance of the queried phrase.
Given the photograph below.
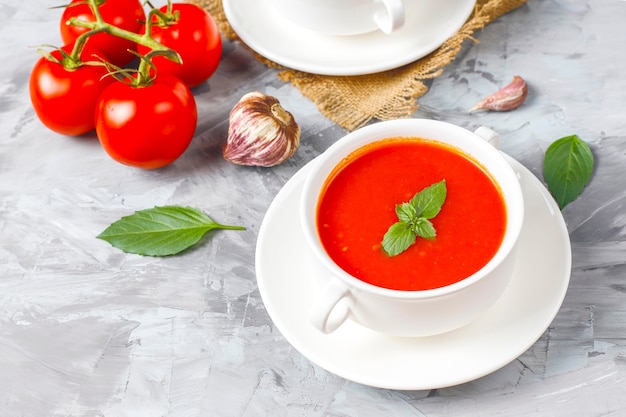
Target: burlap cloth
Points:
(353, 101)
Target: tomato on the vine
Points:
(146, 127)
(196, 38)
(65, 99)
(125, 14)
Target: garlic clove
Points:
(508, 98)
(260, 132)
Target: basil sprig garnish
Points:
(414, 219)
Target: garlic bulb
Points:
(260, 132)
(508, 98)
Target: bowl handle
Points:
(332, 307)
(489, 135)
(393, 18)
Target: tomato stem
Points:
(100, 26)
(145, 39)
(79, 44)
(169, 18)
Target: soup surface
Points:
(357, 206)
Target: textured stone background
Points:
(86, 330)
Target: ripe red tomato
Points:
(65, 100)
(146, 127)
(125, 14)
(196, 38)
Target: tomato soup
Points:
(357, 206)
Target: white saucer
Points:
(507, 330)
(428, 25)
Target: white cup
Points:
(422, 312)
(343, 17)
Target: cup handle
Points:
(329, 312)
(489, 135)
(392, 18)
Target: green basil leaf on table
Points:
(160, 231)
(567, 168)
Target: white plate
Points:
(507, 330)
(428, 25)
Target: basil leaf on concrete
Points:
(160, 231)
(567, 168)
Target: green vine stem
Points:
(164, 19)
(100, 26)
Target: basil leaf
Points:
(160, 231)
(414, 219)
(424, 228)
(567, 168)
(405, 212)
(398, 238)
(428, 202)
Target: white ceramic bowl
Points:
(410, 313)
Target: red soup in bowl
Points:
(357, 206)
